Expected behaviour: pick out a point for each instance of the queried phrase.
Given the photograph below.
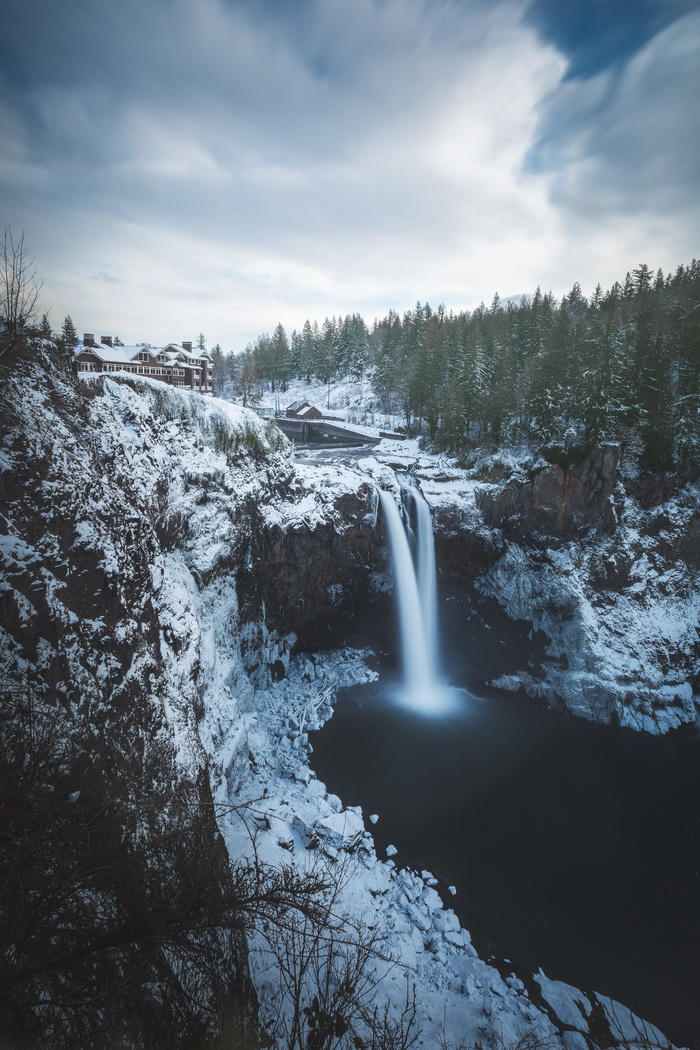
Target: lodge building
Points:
(177, 365)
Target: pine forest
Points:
(564, 375)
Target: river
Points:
(571, 846)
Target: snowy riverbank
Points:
(144, 534)
(273, 800)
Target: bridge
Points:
(321, 432)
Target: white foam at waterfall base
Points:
(422, 689)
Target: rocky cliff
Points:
(139, 554)
(160, 554)
(586, 554)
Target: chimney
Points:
(106, 339)
(88, 339)
(187, 347)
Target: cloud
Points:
(596, 35)
(622, 150)
(233, 164)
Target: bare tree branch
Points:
(19, 286)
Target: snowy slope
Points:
(147, 506)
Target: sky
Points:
(220, 166)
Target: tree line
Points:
(338, 347)
(620, 364)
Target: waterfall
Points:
(416, 598)
(427, 582)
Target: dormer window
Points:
(144, 355)
(161, 359)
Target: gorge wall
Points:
(147, 583)
(600, 558)
(161, 553)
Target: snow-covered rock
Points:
(612, 581)
(159, 552)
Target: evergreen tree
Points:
(279, 357)
(69, 336)
(263, 357)
(360, 347)
(219, 373)
(308, 353)
(324, 366)
(600, 393)
(597, 297)
(642, 279)
(656, 407)
(246, 380)
(386, 365)
(296, 350)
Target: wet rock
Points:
(556, 501)
(307, 574)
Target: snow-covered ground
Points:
(275, 801)
(192, 471)
(271, 803)
(348, 399)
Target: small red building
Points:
(303, 410)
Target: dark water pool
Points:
(572, 846)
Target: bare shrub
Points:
(19, 286)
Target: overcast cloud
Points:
(201, 165)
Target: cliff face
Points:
(587, 556)
(554, 501)
(159, 553)
(137, 565)
(115, 873)
(315, 555)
